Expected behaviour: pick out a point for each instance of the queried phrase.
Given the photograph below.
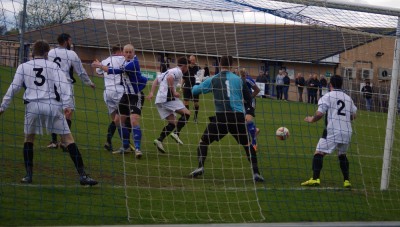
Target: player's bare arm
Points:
(97, 64)
(153, 88)
(317, 116)
(67, 111)
(256, 90)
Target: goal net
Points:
(313, 40)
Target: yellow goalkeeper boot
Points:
(347, 184)
(311, 182)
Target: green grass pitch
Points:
(156, 188)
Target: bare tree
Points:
(43, 13)
(3, 29)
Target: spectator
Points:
(300, 83)
(367, 91)
(267, 86)
(279, 84)
(309, 88)
(323, 86)
(264, 78)
(313, 85)
(286, 82)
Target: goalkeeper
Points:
(229, 92)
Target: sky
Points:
(384, 3)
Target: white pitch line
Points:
(189, 189)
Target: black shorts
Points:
(251, 111)
(131, 104)
(222, 123)
(187, 95)
(142, 99)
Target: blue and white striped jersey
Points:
(131, 77)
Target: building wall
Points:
(8, 54)
(369, 56)
(364, 56)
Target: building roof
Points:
(294, 43)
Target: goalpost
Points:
(311, 38)
(391, 122)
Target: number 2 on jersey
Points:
(341, 105)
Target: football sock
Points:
(69, 122)
(76, 158)
(28, 157)
(166, 131)
(137, 136)
(196, 111)
(124, 135)
(110, 132)
(182, 122)
(53, 137)
(128, 123)
(344, 166)
(202, 153)
(252, 157)
(317, 165)
(251, 128)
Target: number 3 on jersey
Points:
(39, 76)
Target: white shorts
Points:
(167, 108)
(45, 114)
(328, 146)
(112, 98)
(71, 101)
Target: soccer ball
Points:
(282, 133)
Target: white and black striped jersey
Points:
(338, 107)
(164, 94)
(66, 59)
(42, 80)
